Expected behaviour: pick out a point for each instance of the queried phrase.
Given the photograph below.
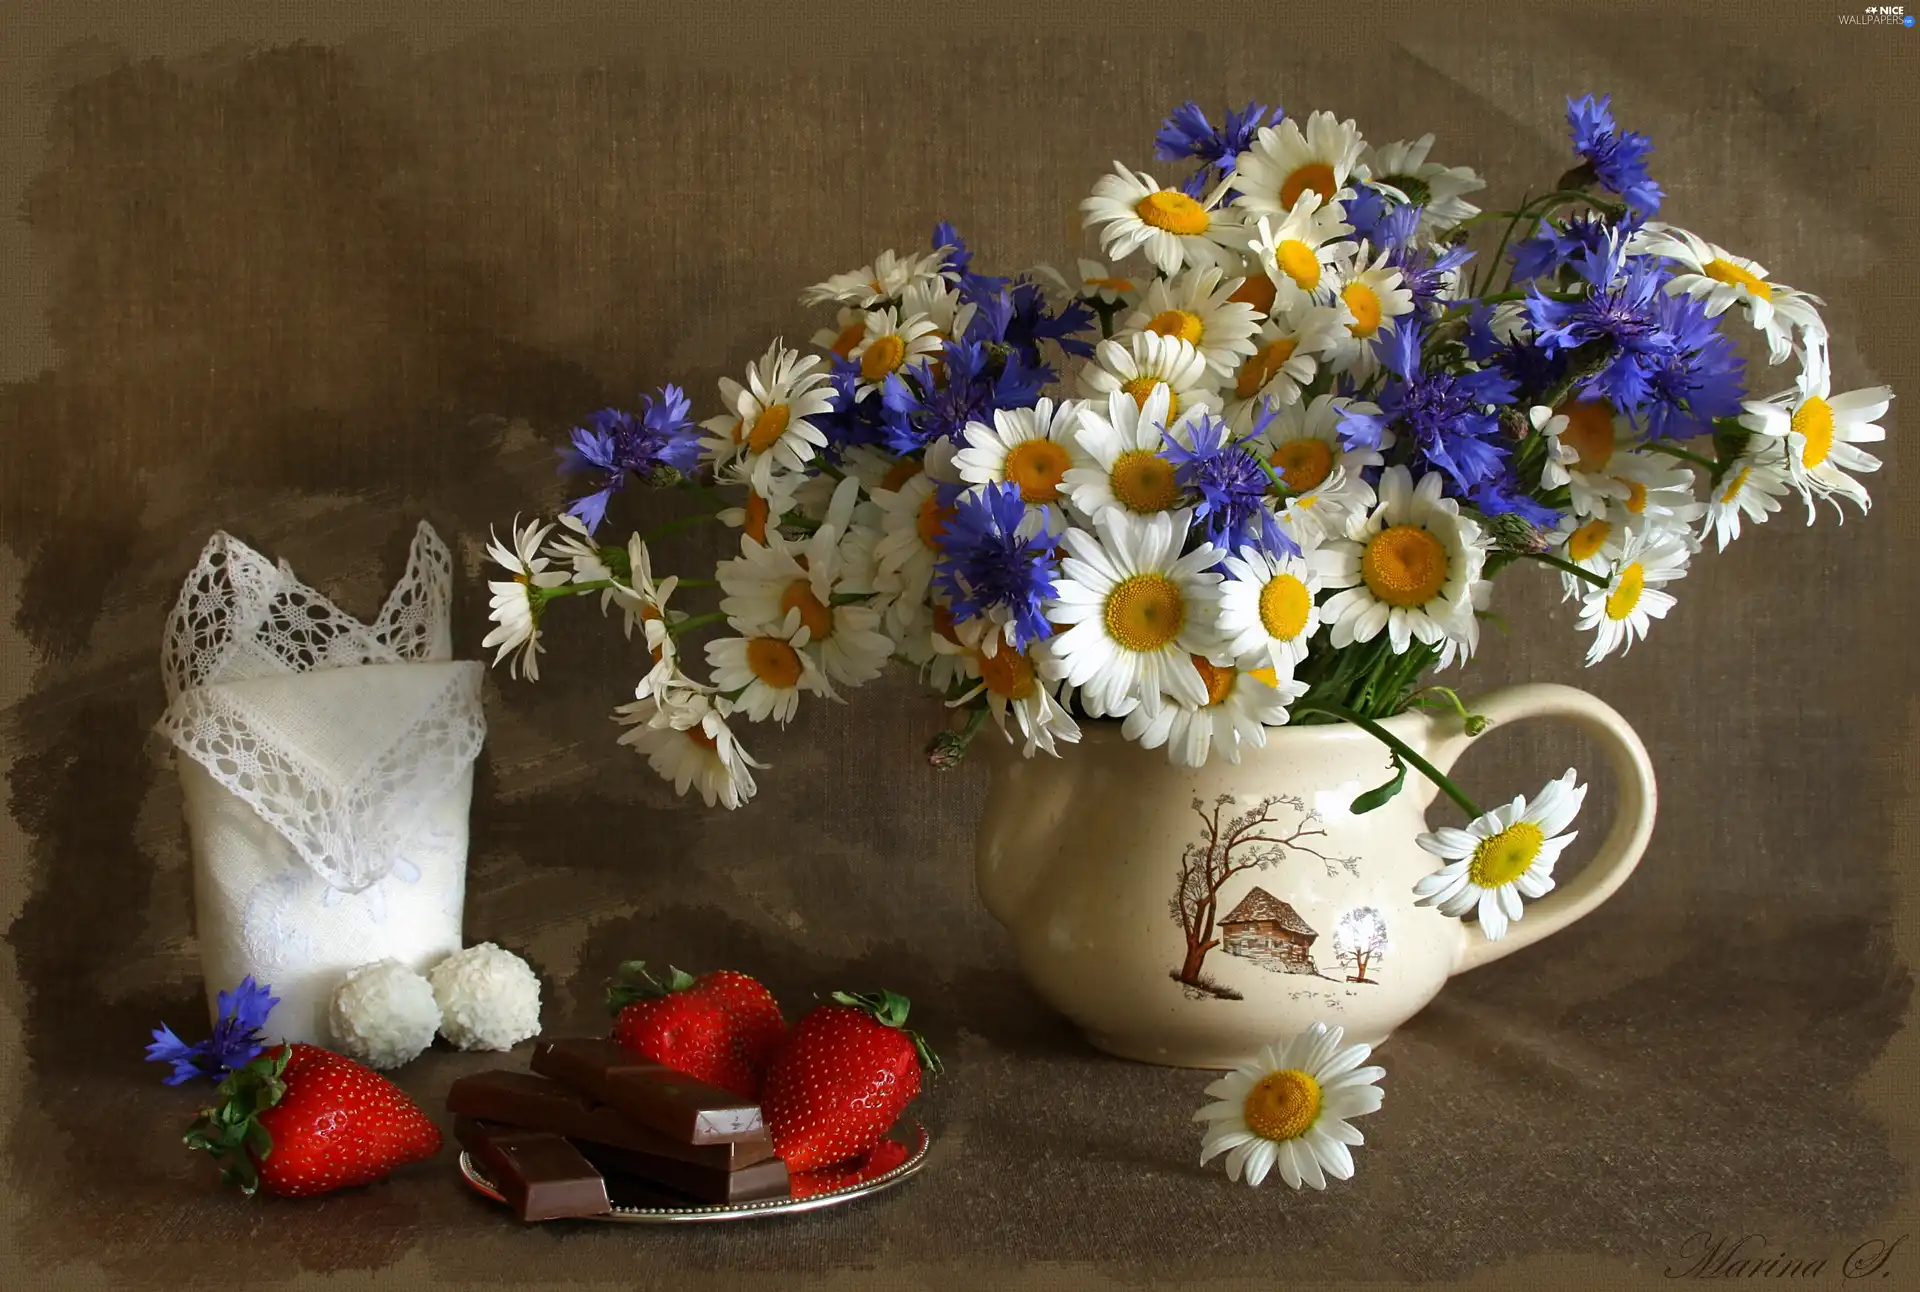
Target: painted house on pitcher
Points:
(1265, 929)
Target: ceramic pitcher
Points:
(1188, 916)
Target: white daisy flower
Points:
(1621, 612)
(1033, 448)
(1149, 362)
(911, 522)
(767, 428)
(1267, 606)
(942, 306)
(1370, 300)
(1593, 543)
(1502, 856)
(1093, 281)
(1243, 700)
(849, 326)
(1283, 162)
(1822, 435)
(1752, 487)
(1408, 567)
(893, 340)
(1722, 279)
(1285, 360)
(767, 671)
(1305, 253)
(770, 587)
(887, 278)
(691, 746)
(1195, 306)
(1173, 229)
(1458, 650)
(765, 505)
(1583, 436)
(1439, 191)
(1135, 610)
(1659, 492)
(1326, 489)
(512, 608)
(1128, 469)
(1010, 680)
(1292, 1107)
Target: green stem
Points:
(698, 583)
(675, 526)
(1685, 455)
(697, 621)
(543, 595)
(1568, 567)
(1474, 723)
(1400, 747)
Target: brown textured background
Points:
(312, 279)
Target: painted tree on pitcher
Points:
(1256, 839)
(1360, 939)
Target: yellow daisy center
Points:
(818, 618)
(1404, 566)
(1317, 176)
(773, 662)
(1625, 596)
(1364, 303)
(1145, 612)
(1218, 681)
(768, 427)
(1739, 483)
(1263, 366)
(1037, 467)
(1506, 856)
(1285, 604)
(899, 473)
(1304, 463)
(1589, 432)
(1257, 292)
(932, 522)
(1268, 675)
(1173, 211)
(1112, 284)
(882, 355)
(1586, 540)
(1141, 388)
(850, 336)
(1007, 672)
(758, 513)
(650, 614)
(1184, 324)
(1282, 1105)
(1814, 421)
(1636, 495)
(1725, 271)
(1143, 482)
(1301, 262)
(699, 736)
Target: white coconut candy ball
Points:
(383, 1014)
(489, 998)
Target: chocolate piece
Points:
(673, 1103)
(541, 1175)
(534, 1102)
(766, 1179)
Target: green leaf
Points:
(1379, 797)
(633, 981)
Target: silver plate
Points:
(914, 1136)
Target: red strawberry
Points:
(300, 1120)
(843, 1080)
(722, 1027)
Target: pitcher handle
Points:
(1625, 841)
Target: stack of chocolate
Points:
(594, 1126)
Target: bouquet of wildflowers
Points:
(1262, 468)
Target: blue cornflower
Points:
(1447, 415)
(918, 409)
(618, 445)
(1503, 495)
(1188, 133)
(850, 420)
(235, 1041)
(1618, 157)
(1542, 255)
(1232, 486)
(1365, 212)
(1621, 306)
(990, 567)
(1695, 378)
(1424, 273)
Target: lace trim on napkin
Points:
(240, 617)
